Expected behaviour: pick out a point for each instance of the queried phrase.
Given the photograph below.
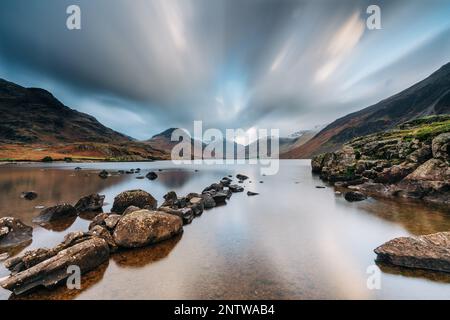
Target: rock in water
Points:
(144, 227)
(208, 201)
(151, 175)
(137, 198)
(423, 252)
(93, 202)
(250, 193)
(353, 196)
(13, 232)
(103, 174)
(236, 188)
(29, 195)
(55, 213)
(87, 255)
(241, 177)
(220, 197)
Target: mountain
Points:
(286, 144)
(34, 124)
(428, 97)
(31, 115)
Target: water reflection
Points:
(61, 292)
(293, 241)
(138, 258)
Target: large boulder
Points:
(423, 252)
(86, 255)
(13, 232)
(137, 198)
(441, 146)
(55, 213)
(93, 202)
(144, 227)
(395, 173)
(431, 179)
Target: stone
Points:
(29, 195)
(87, 255)
(353, 196)
(112, 220)
(130, 209)
(93, 202)
(220, 197)
(250, 193)
(144, 227)
(104, 234)
(236, 188)
(186, 214)
(241, 177)
(137, 198)
(103, 174)
(430, 252)
(440, 146)
(99, 220)
(151, 175)
(208, 201)
(55, 213)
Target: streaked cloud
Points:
(156, 64)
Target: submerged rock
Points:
(241, 177)
(423, 252)
(14, 233)
(103, 174)
(29, 195)
(59, 212)
(138, 198)
(151, 175)
(236, 188)
(93, 202)
(144, 227)
(353, 196)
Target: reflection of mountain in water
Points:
(174, 178)
(414, 217)
(52, 185)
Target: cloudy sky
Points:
(143, 66)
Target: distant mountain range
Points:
(428, 97)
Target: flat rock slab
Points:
(430, 252)
(87, 255)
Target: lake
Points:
(292, 241)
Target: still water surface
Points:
(293, 241)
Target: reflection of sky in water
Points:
(291, 241)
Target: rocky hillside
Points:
(35, 125)
(31, 115)
(428, 97)
(410, 161)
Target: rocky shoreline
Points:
(411, 161)
(135, 221)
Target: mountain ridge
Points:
(430, 96)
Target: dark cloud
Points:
(146, 65)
